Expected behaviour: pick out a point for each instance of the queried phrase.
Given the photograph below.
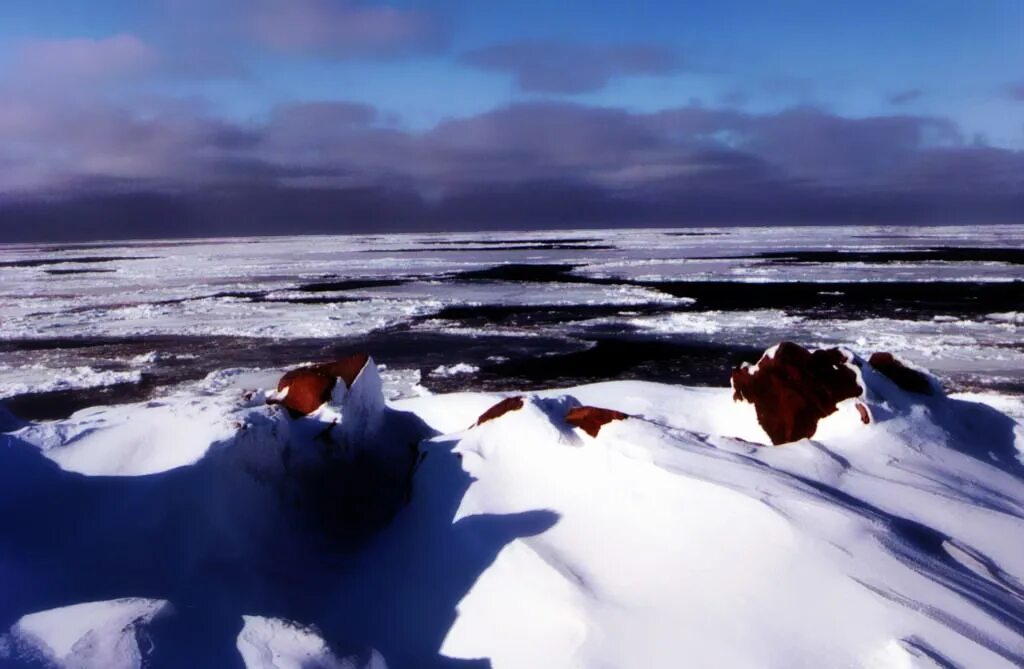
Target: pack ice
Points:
(620, 524)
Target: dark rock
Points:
(906, 378)
(794, 389)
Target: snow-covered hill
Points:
(208, 528)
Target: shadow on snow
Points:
(205, 537)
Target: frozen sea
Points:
(104, 323)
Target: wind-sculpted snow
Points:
(94, 634)
(204, 528)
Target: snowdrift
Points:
(620, 524)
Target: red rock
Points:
(347, 368)
(500, 409)
(794, 389)
(906, 378)
(310, 387)
(865, 417)
(590, 419)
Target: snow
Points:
(675, 535)
(1012, 317)
(455, 370)
(38, 378)
(398, 382)
(132, 440)
(695, 548)
(93, 635)
(153, 357)
(272, 643)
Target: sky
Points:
(146, 118)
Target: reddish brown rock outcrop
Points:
(500, 409)
(347, 368)
(307, 389)
(906, 378)
(310, 387)
(794, 389)
(590, 419)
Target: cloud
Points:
(77, 59)
(103, 170)
(556, 67)
(325, 116)
(515, 144)
(88, 67)
(50, 147)
(343, 28)
(905, 97)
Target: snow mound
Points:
(137, 439)
(619, 524)
(671, 542)
(94, 635)
(272, 643)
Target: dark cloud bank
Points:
(92, 172)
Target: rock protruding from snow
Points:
(304, 390)
(354, 458)
(591, 419)
(792, 388)
(906, 378)
(564, 412)
(500, 409)
(348, 368)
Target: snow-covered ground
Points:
(184, 531)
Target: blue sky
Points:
(849, 57)
(187, 70)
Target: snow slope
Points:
(184, 532)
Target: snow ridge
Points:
(671, 531)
